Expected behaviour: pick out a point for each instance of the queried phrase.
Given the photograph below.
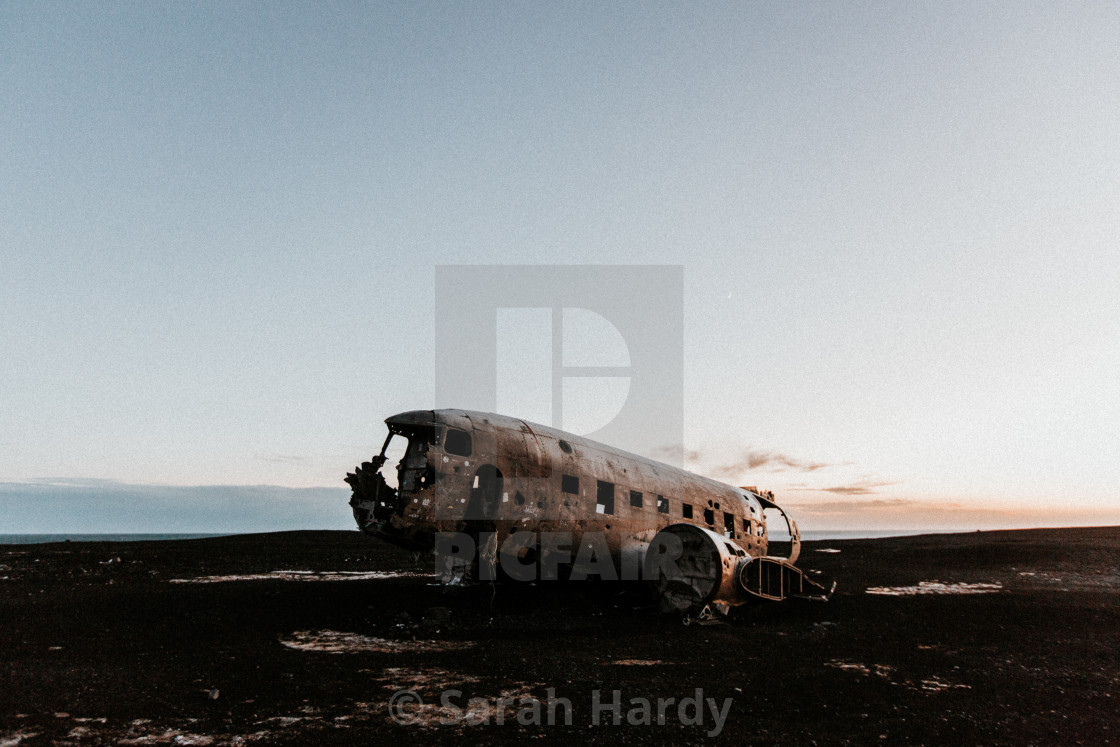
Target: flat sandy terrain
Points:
(994, 637)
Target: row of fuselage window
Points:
(605, 498)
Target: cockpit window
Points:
(457, 442)
(392, 455)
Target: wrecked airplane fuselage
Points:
(505, 482)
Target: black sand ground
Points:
(101, 644)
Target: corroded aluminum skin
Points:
(531, 461)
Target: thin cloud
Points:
(285, 459)
(757, 459)
(87, 482)
(670, 453)
(853, 507)
(860, 487)
(751, 459)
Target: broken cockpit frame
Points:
(374, 501)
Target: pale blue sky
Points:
(899, 225)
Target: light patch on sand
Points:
(636, 662)
(431, 684)
(1073, 580)
(335, 642)
(861, 668)
(931, 685)
(286, 720)
(13, 739)
(471, 709)
(301, 576)
(169, 736)
(935, 684)
(879, 670)
(422, 679)
(144, 731)
(935, 587)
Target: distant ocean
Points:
(35, 539)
